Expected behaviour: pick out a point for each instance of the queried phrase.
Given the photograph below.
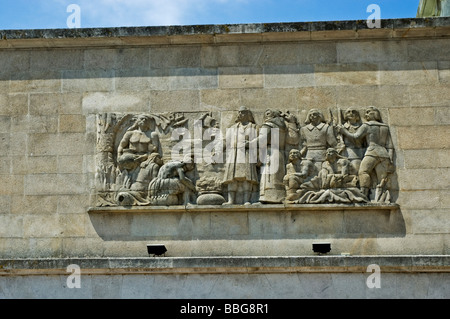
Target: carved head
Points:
(156, 158)
(245, 115)
(188, 162)
(314, 116)
(294, 155)
(144, 123)
(270, 114)
(332, 154)
(352, 115)
(373, 114)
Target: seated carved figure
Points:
(138, 143)
(137, 193)
(333, 184)
(172, 186)
(147, 172)
(297, 173)
(335, 171)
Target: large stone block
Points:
(133, 58)
(220, 100)
(433, 137)
(138, 80)
(70, 164)
(55, 184)
(72, 204)
(34, 204)
(232, 55)
(175, 101)
(430, 95)
(41, 144)
(45, 104)
(426, 158)
(100, 102)
(260, 100)
(11, 225)
(240, 77)
(347, 74)
(422, 116)
(104, 59)
(36, 82)
(409, 73)
(87, 81)
(442, 115)
(420, 179)
(13, 104)
(288, 76)
(317, 97)
(420, 199)
(169, 57)
(444, 71)
(11, 184)
(433, 221)
(14, 62)
(72, 123)
(34, 124)
(56, 60)
(5, 165)
(371, 51)
(429, 50)
(23, 165)
(193, 78)
(73, 225)
(35, 226)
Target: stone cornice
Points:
(226, 265)
(222, 34)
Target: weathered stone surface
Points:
(50, 98)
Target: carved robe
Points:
(241, 160)
(273, 169)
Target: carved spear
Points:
(339, 137)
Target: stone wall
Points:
(53, 86)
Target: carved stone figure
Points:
(135, 147)
(241, 158)
(293, 132)
(297, 173)
(335, 171)
(147, 172)
(172, 186)
(317, 136)
(333, 184)
(272, 137)
(378, 157)
(354, 149)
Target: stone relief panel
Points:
(228, 158)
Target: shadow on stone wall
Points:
(186, 225)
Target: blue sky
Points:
(51, 14)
